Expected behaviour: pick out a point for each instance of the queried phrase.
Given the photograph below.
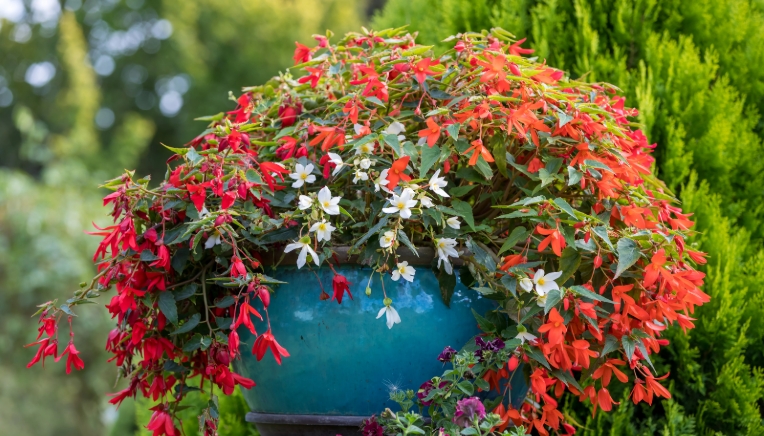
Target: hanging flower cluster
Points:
(535, 183)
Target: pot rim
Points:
(426, 256)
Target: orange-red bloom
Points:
(396, 172)
(432, 132)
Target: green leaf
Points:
(430, 156)
(582, 291)
(346, 213)
(601, 231)
(373, 231)
(553, 165)
(484, 169)
(148, 256)
(565, 207)
(185, 292)
(484, 324)
(482, 384)
(628, 346)
(643, 350)
(193, 156)
(536, 354)
(459, 191)
(611, 344)
(392, 141)
(466, 387)
(196, 342)
(569, 263)
(597, 164)
(180, 259)
(279, 235)
(628, 254)
(407, 242)
(465, 211)
(189, 325)
(552, 299)
(517, 235)
(225, 302)
(254, 177)
(447, 284)
(574, 176)
(166, 303)
(180, 151)
(453, 130)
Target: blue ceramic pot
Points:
(343, 361)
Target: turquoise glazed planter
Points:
(343, 361)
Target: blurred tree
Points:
(694, 69)
(88, 89)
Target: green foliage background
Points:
(694, 69)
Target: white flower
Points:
(526, 284)
(323, 230)
(365, 148)
(302, 175)
(523, 335)
(394, 128)
(213, 240)
(392, 315)
(541, 300)
(454, 223)
(204, 213)
(305, 249)
(437, 184)
(305, 202)
(402, 204)
(545, 283)
(381, 182)
(405, 271)
(426, 201)
(360, 175)
(387, 239)
(329, 204)
(445, 247)
(336, 160)
(365, 163)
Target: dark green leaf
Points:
(185, 292)
(407, 242)
(447, 284)
(459, 191)
(465, 211)
(180, 259)
(430, 157)
(188, 325)
(279, 235)
(484, 324)
(373, 231)
(628, 346)
(597, 164)
(611, 344)
(453, 130)
(517, 235)
(601, 231)
(466, 387)
(254, 177)
(628, 254)
(148, 256)
(552, 299)
(569, 263)
(582, 291)
(564, 206)
(536, 354)
(392, 141)
(166, 303)
(226, 301)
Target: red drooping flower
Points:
(301, 53)
(313, 77)
(161, 422)
(553, 238)
(72, 359)
(432, 132)
(267, 341)
(478, 149)
(396, 173)
(341, 285)
(288, 114)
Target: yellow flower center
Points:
(304, 176)
(403, 270)
(541, 281)
(326, 204)
(322, 227)
(401, 205)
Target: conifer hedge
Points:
(695, 70)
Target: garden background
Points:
(89, 88)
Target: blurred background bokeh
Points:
(89, 88)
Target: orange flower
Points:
(555, 328)
(422, 69)
(553, 237)
(396, 172)
(432, 132)
(478, 149)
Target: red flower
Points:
(301, 53)
(535, 165)
(516, 50)
(422, 69)
(432, 132)
(313, 77)
(237, 267)
(73, 359)
(288, 114)
(555, 328)
(329, 137)
(396, 172)
(267, 341)
(244, 319)
(340, 284)
(161, 422)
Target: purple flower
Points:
(468, 410)
(493, 346)
(447, 354)
(425, 390)
(372, 428)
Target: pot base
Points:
(276, 424)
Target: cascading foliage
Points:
(537, 185)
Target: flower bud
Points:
(368, 291)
